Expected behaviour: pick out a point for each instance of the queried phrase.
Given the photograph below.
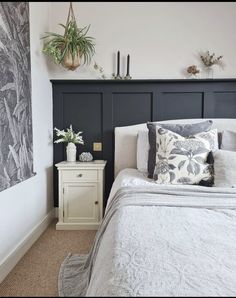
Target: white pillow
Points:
(142, 151)
(225, 168)
(228, 140)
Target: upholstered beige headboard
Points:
(126, 140)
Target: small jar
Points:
(209, 72)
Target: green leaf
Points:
(74, 41)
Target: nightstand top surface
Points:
(82, 164)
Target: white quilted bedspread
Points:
(165, 250)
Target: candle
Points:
(118, 63)
(128, 59)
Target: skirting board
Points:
(18, 252)
(77, 226)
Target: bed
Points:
(157, 240)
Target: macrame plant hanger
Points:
(71, 62)
(70, 17)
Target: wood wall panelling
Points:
(96, 107)
(220, 105)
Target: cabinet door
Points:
(80, 203)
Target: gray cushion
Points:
(228, 140)
(185, 130)
(225, 168)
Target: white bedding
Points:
(133, 177)
(166, 247)
(130, 177)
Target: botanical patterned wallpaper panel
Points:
(16, 155)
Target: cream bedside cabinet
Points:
(81, 188)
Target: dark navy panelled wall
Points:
(97, 106)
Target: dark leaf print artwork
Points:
(16, 154)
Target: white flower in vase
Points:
(71, 138)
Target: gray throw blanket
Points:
(76, 271)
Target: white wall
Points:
(23, 206)
(162, 38)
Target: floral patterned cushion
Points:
(185, 130)
(181, 160)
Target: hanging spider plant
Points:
(72, 47)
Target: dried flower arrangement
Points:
(193, 70)
(210, 59)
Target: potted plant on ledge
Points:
(72, 48)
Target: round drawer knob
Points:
(79, 175)
(96, 202)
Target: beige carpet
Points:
(36, 273)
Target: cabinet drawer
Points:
(79, 175)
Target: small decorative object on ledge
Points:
(192, 70)
(128, 77)
(70, 48)
(97, 67)
(118, 76)
(85, 156)
(71, 138)
(209, 60)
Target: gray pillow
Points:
(228, 140)
(185, 130)
(224, 168)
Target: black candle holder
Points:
(128, 76)
(118, 76)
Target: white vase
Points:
(71, 152)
